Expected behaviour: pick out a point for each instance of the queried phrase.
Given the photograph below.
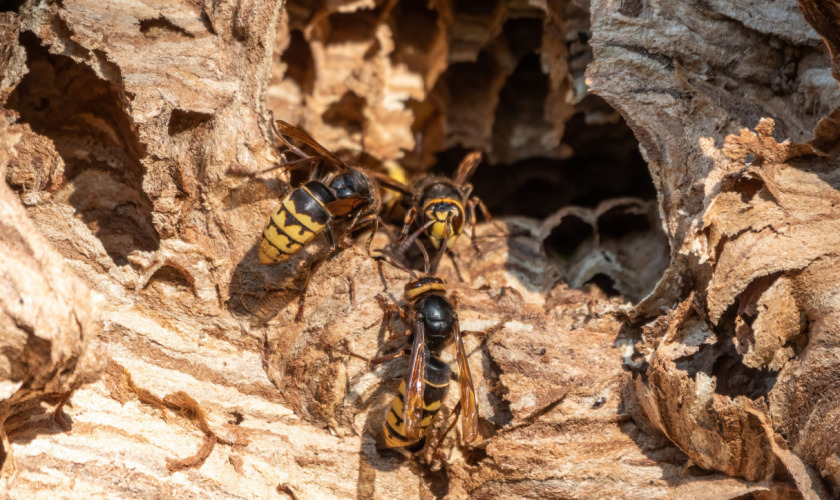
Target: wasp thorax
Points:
(438, 317)
(441, 190)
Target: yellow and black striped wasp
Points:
(311, 208)
(446, 205)
(348, 198)
(433, 323)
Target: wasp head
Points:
(444, 220)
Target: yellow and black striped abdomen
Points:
(436, 385)
(295, 222)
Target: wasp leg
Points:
(6, 452)
(356, 224)
(455, 412)
(372, 362)
(369, 219)
(402, 248)
(312, 268)
(388, 310)
(472, 220)
(330, 240)
(493, 329)
(410, 216)
(345, 241)
(302, 300)
(485, 212)
(385, 227)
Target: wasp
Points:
(433, 324)
(348, 196)
(446, 205)
(311, 209)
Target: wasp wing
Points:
(469, 413)
(413, 399)
(345, 206)
(285, 131)
(467, 167)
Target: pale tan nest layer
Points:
(128, 258)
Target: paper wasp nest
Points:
(659, 286)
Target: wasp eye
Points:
(344, 186)
(350, 184)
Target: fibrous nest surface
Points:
(659, 287)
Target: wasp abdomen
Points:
(295, 222)
(435, 387)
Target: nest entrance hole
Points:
(605, 163)
(83, 115)
(604, 166)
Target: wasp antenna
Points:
(291, 165)
(272, 169)
(416, 234)
(294, 149)
(273, 127)
(392, 260)
(277, 132)
(425, 256)
(441, 251)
